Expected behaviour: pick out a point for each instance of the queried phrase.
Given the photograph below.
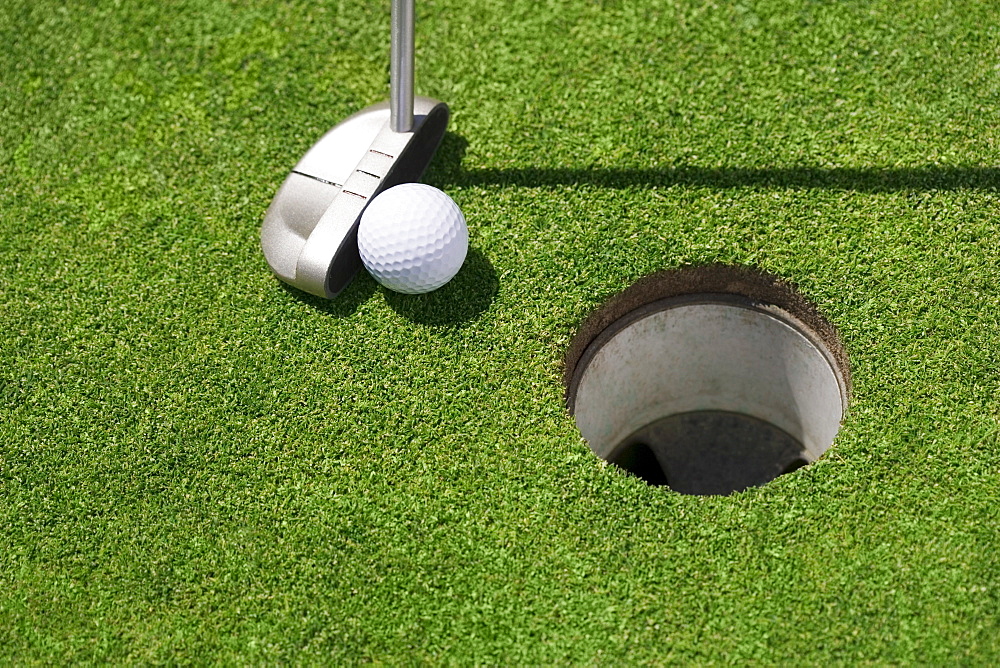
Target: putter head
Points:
(310, 231)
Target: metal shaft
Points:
(401, 67)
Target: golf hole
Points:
(708, 380)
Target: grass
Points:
(197, 465)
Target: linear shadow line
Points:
(873, 180)
(447, 171)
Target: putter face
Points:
(310, 231)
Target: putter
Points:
(310, 231)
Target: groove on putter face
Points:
(310, 231)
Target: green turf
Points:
(197, 465)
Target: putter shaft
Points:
(401, 67)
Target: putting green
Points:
(199, 465)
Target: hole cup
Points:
(708, 380)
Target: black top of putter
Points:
(309, 234)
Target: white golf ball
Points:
(413, 238)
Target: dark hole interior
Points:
(639, 459)
(709, 452)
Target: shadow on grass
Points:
(860, 180)
(446, 172)
(358, 291)
(460, 301)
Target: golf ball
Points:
(413, 238)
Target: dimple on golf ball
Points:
(413, 238)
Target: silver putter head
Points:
(310, 231)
